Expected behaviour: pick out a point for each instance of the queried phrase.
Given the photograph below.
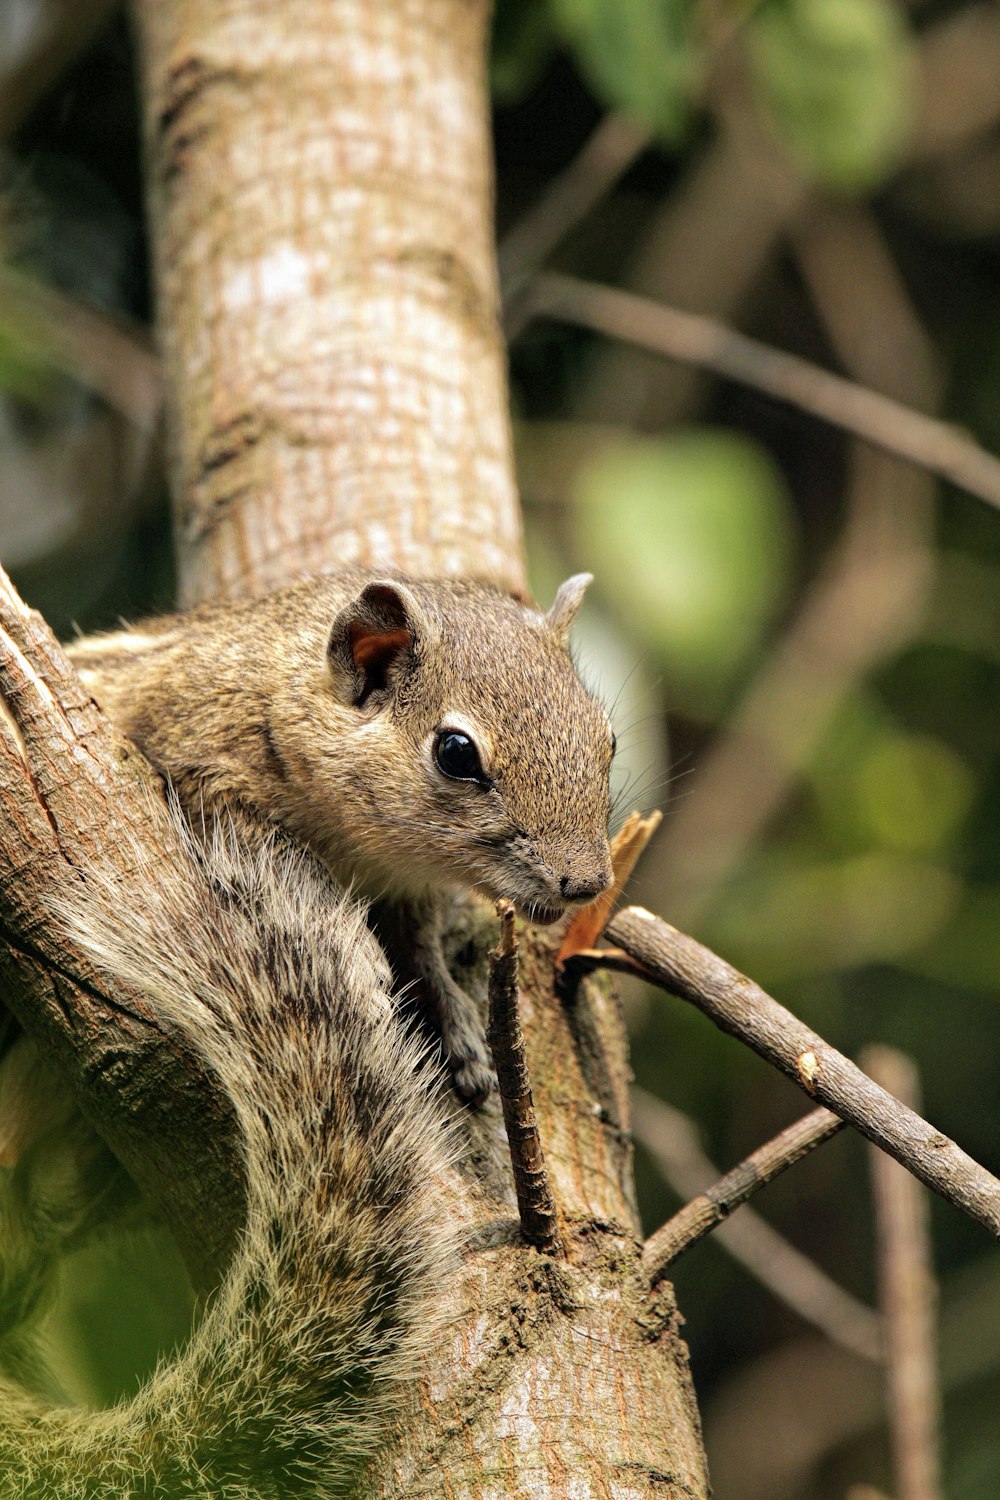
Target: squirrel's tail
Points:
(282, 1389)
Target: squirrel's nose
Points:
(583, 890)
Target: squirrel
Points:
(337, 1286)
(420, 736)
(354, 735)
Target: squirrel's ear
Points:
(369, 636)
(566, 603)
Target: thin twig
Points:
(672, 1139)
(649, 947)
(908, 1294)
(536, 1206)
(696, 340)
(605, 156)
(713, 1207)
(104, 353)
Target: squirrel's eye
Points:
(458, 757)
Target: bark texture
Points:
(321, 182)
(76, 802)
(566, 1376)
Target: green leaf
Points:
(913, 792)
(640, 56)
(837, 79)
(690, 538)
(25, 370)
(522, 41)
(874, 908)
(879, 786)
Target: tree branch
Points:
(908, 1293)
(696, 340)
(79, 803)
(792, 1278)
(713, 1207)
(652, 949)
(608, 152)
(102, 351)
(334, 369)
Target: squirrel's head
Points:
(478, 759)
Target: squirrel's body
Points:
(323, 708)
(417, 736)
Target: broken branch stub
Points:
(536, 1206)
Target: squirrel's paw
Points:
(474, 1078)
(464, 1045)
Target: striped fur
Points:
(282, 1390)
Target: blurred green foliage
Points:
(715, 524)
(120, 1304)
(522, 43)
(836, 78)
(25, 373)
(641, 55)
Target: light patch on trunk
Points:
(278, 278)
(13, 728)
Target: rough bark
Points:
(566, 1376)
(76, 802)
(321, 185)
(320, 191)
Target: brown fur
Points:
(238, 705)
(351, 1238)
(317, 708)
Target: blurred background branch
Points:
(711, 1207)
(109, 357)
(671, 1138)
(711, 346)
(908, 1294)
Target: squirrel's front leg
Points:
(463, 1040)
(411, 934)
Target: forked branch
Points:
(793, 1278)
(650, 948)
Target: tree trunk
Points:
(321, 190)
(321, 210)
